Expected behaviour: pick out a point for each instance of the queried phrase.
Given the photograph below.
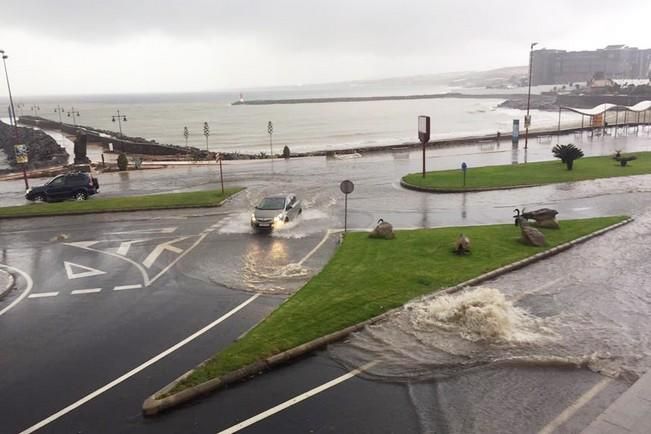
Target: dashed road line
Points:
(123, 287)
(43, 294)
(138, 369)
(297, 399)
(86, 291)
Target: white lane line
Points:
(30, 285)
(123, 287)
(178, 258)
(125, 246)
(296, 399)
(136, 370)
(318, 246)
(85, 291)
(43, 294)
(576, 406)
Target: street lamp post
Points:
(73, 113)
(59, 110)
(35, 108)
(527, 119)
(186, 134)
(13, 112)
(120, 117)
(206, 132)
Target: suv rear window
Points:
(77, 179)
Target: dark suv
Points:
(76, 186)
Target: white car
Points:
(274, 211)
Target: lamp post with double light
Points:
(59, 110)
(120, 118)
(73, 113)
(527, 118)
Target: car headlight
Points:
(280, 217)
(253, 219)
(28, 190)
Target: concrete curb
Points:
(10, 283)
(409, 186)
(152, 405)
(113, 211)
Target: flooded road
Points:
(489, 358)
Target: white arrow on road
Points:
(159, 249)
(88, 273)
(125, 246)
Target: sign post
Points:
(423, 135)
(464, 168)
(346, 187)
(220, 157)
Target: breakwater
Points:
(121, 143)
(376, 98)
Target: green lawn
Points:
(191, 199)
(367, 277)
(546, 172)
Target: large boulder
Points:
(383, 230)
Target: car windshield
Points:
(272, 203)
(55, 180)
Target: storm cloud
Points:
(79, 46)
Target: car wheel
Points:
(286, 219)
(39, 198)
(81, 195)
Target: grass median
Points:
(367, 277)
(192, 199)
(538, 173)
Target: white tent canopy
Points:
(603, 108)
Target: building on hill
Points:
(614, 61)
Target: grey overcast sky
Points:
(123, 46)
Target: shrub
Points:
(567, 154)
(286, 152)
(123, 162)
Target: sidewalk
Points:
(630, 413)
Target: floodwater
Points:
(584, 310)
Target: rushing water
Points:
(483, 347)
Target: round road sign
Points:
(347, 187)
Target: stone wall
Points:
(42, 150)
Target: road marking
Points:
(86, 291)
(318, 246)
(147, 231)
(138, 369)
(576, 406)
(159, 249)
(123, 287)
(88, 273)
(43, 294)
(178, 258)
(297, 399)
(82, 244)
(30, 285)
(125, 246)
(145, 277)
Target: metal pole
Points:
(616, 121)
(119, 122)
(345, 213)
(221, 173)
(582, 119)
(559, 124)
(526, 123)
(423, 160)
(11, 103)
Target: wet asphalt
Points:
(139, 283)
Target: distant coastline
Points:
(376, 98)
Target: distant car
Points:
(77, 185)
(274, 211)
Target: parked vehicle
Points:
(273, 211)
(76, 185)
